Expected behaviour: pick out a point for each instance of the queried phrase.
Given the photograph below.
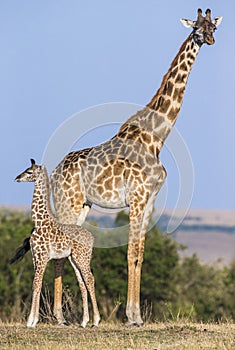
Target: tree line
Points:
(171, 287)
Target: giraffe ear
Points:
(217, 20)
(32, 161)
(188, 23)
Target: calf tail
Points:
(21, 251)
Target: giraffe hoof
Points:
(64, 324)
(94, 326)
(134, 324)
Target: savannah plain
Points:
(155, 336)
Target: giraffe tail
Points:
(21, 251)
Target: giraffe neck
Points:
(169, 97)
(41, 207)
(156, 120)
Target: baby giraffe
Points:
(52, 240)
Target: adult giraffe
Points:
(126, 171)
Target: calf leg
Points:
(90, 284)
(82, 263)
(85, 318)
(37, 286)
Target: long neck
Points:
(169, 97)
(41, 207)
(160, 114)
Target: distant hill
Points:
(208, 233)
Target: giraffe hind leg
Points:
(90, 284)
(82, 263)
(83, 289)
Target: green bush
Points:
(15, 280)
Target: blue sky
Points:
(60, 57)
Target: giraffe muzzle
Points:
(209, 40)
(17, 179)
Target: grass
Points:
(154, 336)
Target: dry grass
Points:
(158, 336)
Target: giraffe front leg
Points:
(136, 304)
(141, 243)
(58, 287)
(133, 291)
(140, 213)
(133, 295)
(37, 285)
(131, 285)
(133, 308)
(147, 212)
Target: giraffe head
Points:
(203, 27)
(31, 174)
